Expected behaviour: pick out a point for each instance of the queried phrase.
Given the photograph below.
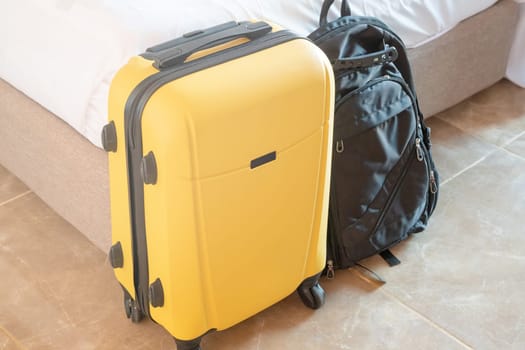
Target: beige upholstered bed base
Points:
(70, 174)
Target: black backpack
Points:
(384, 184)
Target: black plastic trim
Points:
(178, 54)
(109, 137)
(116, 256)
(156, 294)
(263, 160)
(148, 169)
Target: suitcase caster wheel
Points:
(313, 297)
(136, 315)
(194, 344)
(311, 293)
(132, 309)
(128, 304)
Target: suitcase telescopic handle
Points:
(178, 54)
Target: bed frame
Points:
(70, 174)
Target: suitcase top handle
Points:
(176, 52)
(345, 10)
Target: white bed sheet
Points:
(64, 53)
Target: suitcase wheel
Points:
(136, 314)
(311, 293)
(194, 344)
(132, 309)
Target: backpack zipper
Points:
(360, 89)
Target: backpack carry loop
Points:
(389, 54)
(345, 11)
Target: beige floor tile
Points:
(10, 186)
(35, 247)
(64, 295)
(116, 335)
(46, 244)
(8, 341)
(460, 282)
(25, 311)
(495, 115)
(454, 150)
(58, 288)
(466, 271)
(355, 316)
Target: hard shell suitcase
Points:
(219, 150)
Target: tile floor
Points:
(461, 283)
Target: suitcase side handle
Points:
(178, 54)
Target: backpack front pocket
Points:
(376, 149)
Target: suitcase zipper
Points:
(132, 118)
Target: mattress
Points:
(64, 53)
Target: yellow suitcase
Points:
(219, 147)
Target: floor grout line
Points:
(411, 309)
(497, 148)
(426, 319)
(10, 336)
(441, 183)
(502, 147)
(513, 154)
(15, 198)
(512, 139)
(468, 167)
(475, 136)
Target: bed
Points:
(57, 59)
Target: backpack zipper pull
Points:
(330, 272)
(433, 183)
(419, 151)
